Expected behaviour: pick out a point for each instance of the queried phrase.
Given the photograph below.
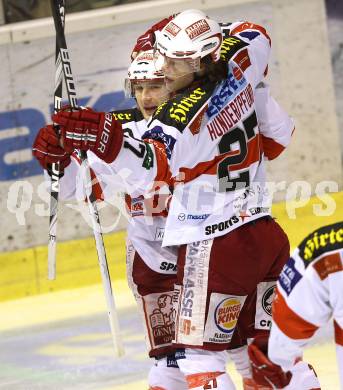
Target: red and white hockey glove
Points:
(89, 130)
(264, 371)
(47, 150)
(147, 40)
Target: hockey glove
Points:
(47, 150)
(147, 40)
(89, 130)
(264, 371)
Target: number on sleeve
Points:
(136, 145)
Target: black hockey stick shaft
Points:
(105, 275)
(62, 44)
(55, 168)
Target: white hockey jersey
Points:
(309, 293)
(146, 226)
(146, 220)
(206, 146)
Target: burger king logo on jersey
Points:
(226, 314)
(223, 313)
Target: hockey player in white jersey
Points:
(206, 135)
(309, 293)
(151, 269)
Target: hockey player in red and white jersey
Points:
(151, 268)
(205, 144)
(309, 293)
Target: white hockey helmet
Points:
(190, 35)
(143, 68)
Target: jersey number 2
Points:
(235, 137)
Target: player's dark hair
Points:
(215, 71)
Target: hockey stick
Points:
(55, 169)
(105, 275)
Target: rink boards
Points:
(100, 42)
(24, 273)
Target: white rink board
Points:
(300, 76)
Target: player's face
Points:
(149, 95)
(178, 74)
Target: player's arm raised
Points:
(103, 135)
(248, 45)
(275, 125)
(47, 150)
(146, 41)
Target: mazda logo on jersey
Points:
(267, 300)
(181, 217)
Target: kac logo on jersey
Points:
(157, 134)
(267, 300)
(226, 314)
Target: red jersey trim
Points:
(271, 148)
(338, 334)
(327, 265)
(163, 172)
(290, 323)
(206, 380)
(211, 167)
(251, 26)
